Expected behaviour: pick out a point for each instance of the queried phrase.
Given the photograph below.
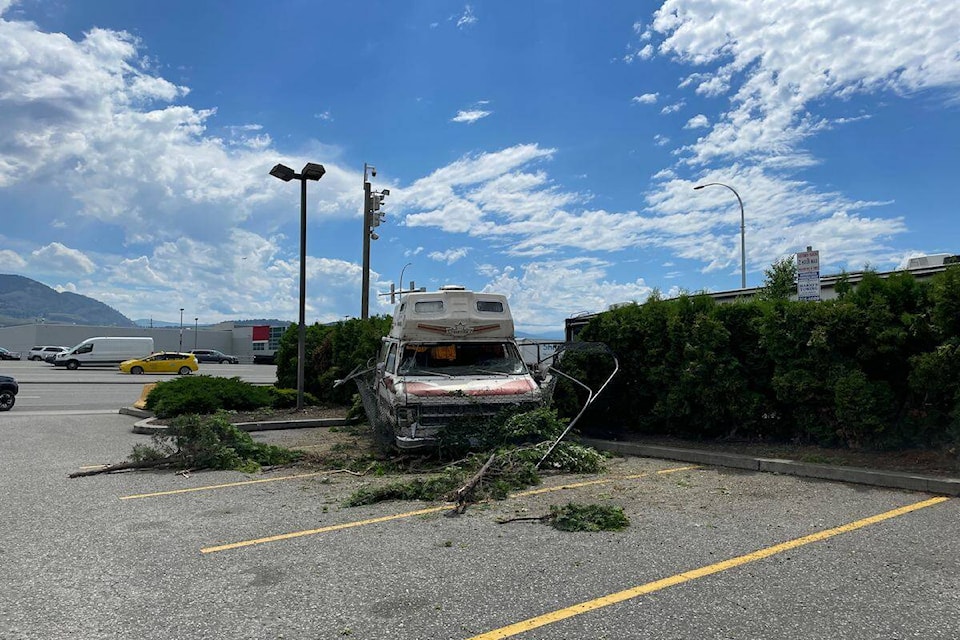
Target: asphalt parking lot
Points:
(710, 553)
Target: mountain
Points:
(23, 300)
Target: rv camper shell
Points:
(449, 354)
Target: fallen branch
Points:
(526, 518)
(124, 466)
(463, 493)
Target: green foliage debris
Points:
(210, 442)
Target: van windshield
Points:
(460, 358)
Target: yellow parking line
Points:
(219, 486)
(410, 514)
(588, 483)
(333, 527)
(680, 578)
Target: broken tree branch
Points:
(463, 493)
(124, 466)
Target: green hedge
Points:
(878, 367)
(332, 352)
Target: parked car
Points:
(162, 362)
(212, 355)
(8, 392)
(9, 355)
(42, 352)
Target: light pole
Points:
(401, 278)
(743, 241)
(310, 171)
(181, 328)
(196, 325)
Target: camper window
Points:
(428, 306)
(494, 306)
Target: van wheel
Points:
(136, 370)
(184, 371)
(35, 358)
(7, 398)
(73, 365)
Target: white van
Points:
(104, 351)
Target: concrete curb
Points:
(146, 426)
(857, 475)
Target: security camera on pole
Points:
(372, 217)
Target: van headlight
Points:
(407, 416)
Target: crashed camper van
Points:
(450, 353)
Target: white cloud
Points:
(646, 98)
(544, 293)
(57, 258)
(467, 19)
(91, 112)
(792, 53)
(450, 255)
(470, 116)
(673, 108)
(698, 121)
(11, 260)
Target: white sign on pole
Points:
(808, 275)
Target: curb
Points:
(146, 426)
(856, 475)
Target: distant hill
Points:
(23, 300)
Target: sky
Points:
(546, 150)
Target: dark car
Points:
(212, 355)
(8, 392)
(9, 355)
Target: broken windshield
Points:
(461, 358)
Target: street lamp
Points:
(743, 243)
(181, 328)
(311, 171)
(401, 278)
(195, 327)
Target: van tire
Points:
(184, 371)
(73, 365)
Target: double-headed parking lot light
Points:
(311, 171)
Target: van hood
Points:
(427, 386)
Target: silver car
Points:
(42, 352)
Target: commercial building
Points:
(250, 343)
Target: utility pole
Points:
(372, 217)
(365, 287)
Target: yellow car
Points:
(162, 362)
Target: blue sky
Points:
(546, 150)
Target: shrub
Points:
(206, 395)
(287, 398)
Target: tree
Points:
(780, 280)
